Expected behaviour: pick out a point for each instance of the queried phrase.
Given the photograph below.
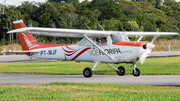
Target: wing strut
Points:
(140, 38)
(98, 47)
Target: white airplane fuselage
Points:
(89, 53)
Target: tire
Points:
(122, 71)
(87, 72)
(137, 73)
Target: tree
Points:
(169, 2)
(111, 24)
(133, 26)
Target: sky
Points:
(18, 2)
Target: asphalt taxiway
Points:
(27, 79)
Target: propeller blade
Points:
(143, 56)
(149, 47)
(154, 38)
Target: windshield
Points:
(119, 36)
(82, 42)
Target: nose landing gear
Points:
(136, 72)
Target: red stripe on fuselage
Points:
(67, 51)
(80, 53)
(69, 48)
(72, 53)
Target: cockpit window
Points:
(101, 41)
(119, 36)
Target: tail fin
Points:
(27, 41)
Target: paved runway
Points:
(161, 80)
(26, 79)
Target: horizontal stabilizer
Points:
(19, 52)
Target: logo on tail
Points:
(28, 42)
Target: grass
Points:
(88, 92)
(152, 66)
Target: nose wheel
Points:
(136, 72)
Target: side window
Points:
(101, 41)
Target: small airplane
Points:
(96, 46)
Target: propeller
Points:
(154, 38)
(148, 47)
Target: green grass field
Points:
(152, 66)
(88, 92)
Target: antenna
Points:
(87, 26)
(101, 27)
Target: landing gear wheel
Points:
(137, 72)
(87, 72)
(122, 71)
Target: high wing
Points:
(164, 54)
(149, 33)
(58, 32)
(140, 35)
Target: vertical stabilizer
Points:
(27, 41)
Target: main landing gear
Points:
(88, 72)
(121, 71)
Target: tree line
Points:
(114, 15)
